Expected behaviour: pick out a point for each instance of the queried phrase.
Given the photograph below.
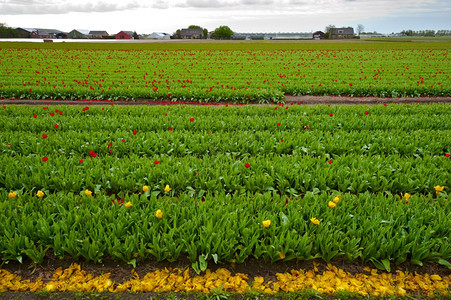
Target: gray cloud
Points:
(23, 7)
(160, 4)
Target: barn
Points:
(124, 35)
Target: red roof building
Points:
(124, 35)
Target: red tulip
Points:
(35, 116)
(52, 114)
(44, 136)
(330, 162)
(447, 154)
(45, 158)
(191, 120)
(278, 124)
(134, 132)
(170, 129)
(56, 126)
(330, 115)
(80, 161)
(366, 112)
(156, 162)
(247, 165)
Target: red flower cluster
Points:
(92, 153)
(85, 108)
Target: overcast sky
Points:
(143, 16)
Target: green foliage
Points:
(7, 32)
(223, 32)
(217, 204)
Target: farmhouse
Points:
(78, 34)
(341, 33)
(41, 33)
(191, 33)
(318, 35)
(124, 35)
(98, 34)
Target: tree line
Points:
(410, 32)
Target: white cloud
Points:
(21, 7)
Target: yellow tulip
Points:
(438, 189)
(315, 221)
(266, 223)
(332, 204)
(40, 194)
(167, 188)
(12, 195)
(145, 188)
(159, 214)
(407, 197)
(128, 204)
(337, 198)
(88, 193)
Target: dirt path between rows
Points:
(304, 100)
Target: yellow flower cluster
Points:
(12, 195)
(332, 280)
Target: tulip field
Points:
(212, 75)
(226, 184)
(223, 184)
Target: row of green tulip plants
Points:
(218, 75)
(381, 228)
(222, 173)
(226, 183)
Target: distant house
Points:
(318, 35)
(25, 32)
(78, 34)
(98, 34)
(191, 33)
(159, 36)
(341, 33)
(124, 35)
(41, 33)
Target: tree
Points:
(205, 33)
(7, 32)
(360, 28)
(327, 31)
(135, 36)
(223, 32)
(194, 27)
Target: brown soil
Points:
(304, 100)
